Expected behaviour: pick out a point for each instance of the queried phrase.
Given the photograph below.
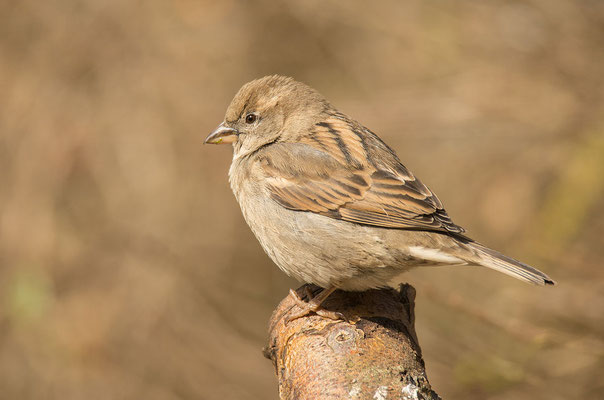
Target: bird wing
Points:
(344, 171)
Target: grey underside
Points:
(318, 249)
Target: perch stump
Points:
(373, 355)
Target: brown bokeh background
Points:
(126, 269)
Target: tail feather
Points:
(502, 263)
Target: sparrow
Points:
(330, 202)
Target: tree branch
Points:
(374, 356)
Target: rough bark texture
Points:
(375, 355)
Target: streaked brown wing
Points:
(398, 205)
(333, 172)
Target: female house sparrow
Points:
(330, 202)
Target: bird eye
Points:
(250, 118)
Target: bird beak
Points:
(222, 134)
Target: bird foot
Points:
(313, 305)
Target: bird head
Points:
(268, 110)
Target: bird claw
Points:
(313, 305)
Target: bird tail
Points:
(502, 263)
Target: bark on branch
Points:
(374, 356)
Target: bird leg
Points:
(313, 305)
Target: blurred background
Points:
(126, 268)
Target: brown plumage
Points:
(330, 202)
(360, 186)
